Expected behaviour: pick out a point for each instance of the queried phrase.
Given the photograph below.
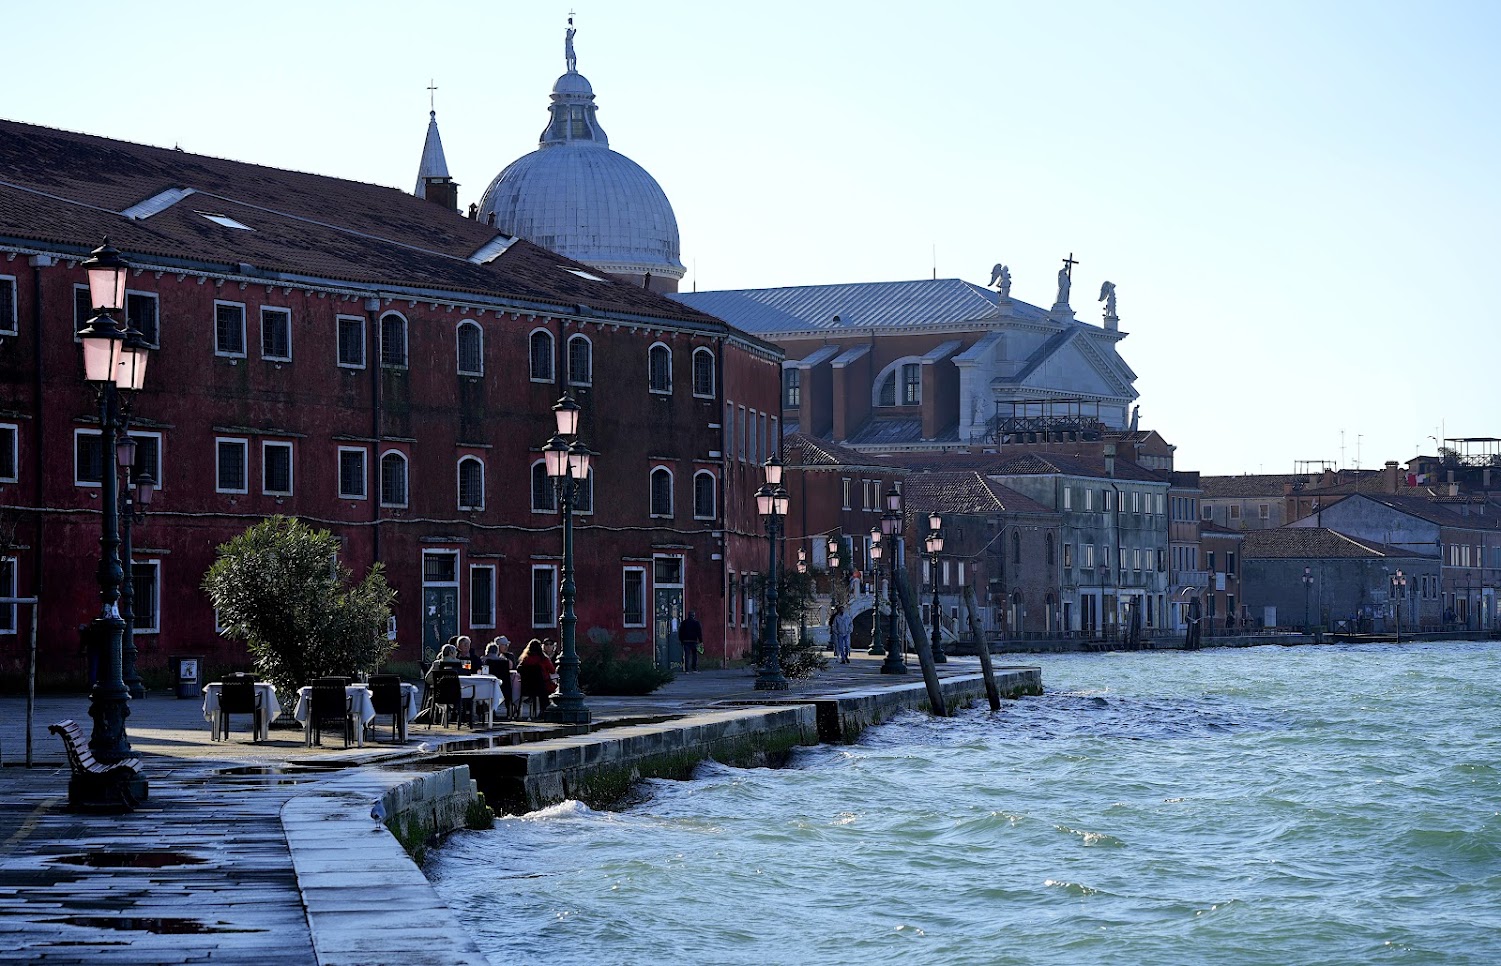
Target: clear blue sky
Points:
(1297, 201)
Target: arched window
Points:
(1050, 549)
(900, 383)
(540, 352)
(471, 343)
(471, 484)
(580, 361)
(661, 492)
(393, 479)
(393, 341)
(544, 496)
(1016, 547)
(887, 395)
(703, 372)
(659, 362)
(703, 495)
(583, 494)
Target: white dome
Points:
(580, 199)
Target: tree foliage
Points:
(280, 588)
(797, 595)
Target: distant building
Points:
(942, 364)
(1223, 607)
(1349, 586)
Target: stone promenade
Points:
(266, 853)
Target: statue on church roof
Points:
(1107, 295)
(1000, 276)
(1065, 280)
(568, 55)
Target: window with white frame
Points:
(232, 458)
(229, 329)
(659, 365)
(470, 339)
(755, 438)
(544, 493)
(351, 338)
(141, 314)
(481, 595)
(703, 495)
(471, 484)
(8, 325)
(540, 354)
(276, 468)
(544, 595)
(146, 605)
(8, 585)
(10, 452)
(351, 473)
(88, 456)
(703, 372)
(661, 492)
(846, 493)
(580, 361)
(633, 604)
(276, 334)
(393, 341)
(393, 479)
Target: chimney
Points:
(1393, 478)
(442, 192)
(1110, 460)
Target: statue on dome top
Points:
(1107, 295)
(1000, 276)
(568, 55)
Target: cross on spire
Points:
(432, 98)
(1069, 263)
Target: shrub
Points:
(279, 587)
(603, 673)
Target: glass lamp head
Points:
(774, 470)
(555, 455)
(145, 485)
(125, 451)
(566, 412)
(107, 271)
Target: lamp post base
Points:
(567, 712)
(893, 664)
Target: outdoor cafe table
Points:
(360, 705)
(482, 687)
(270, 708)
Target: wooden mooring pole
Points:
(972, 610)
(920, 643)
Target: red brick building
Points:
(371, 363)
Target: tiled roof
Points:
(965, 491)
(1481, 517)
(898, 430)
(64, 191)
(1250, 485)
(800, 449)
(861, 305)
(1300, 542)
(1027, 464)
(1214, 529)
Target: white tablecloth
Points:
(359, 705)
(264, 691)
(483, 687)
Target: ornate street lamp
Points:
(934, 545)
(103, 343)
(1307, 592)
(139, 489)
(875, 648)
(567, 462)
(1399, 586)
(891, 526)
(771, 503)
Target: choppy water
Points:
(1269, 805)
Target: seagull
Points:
(378, 811)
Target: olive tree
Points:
(280, 588)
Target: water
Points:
(1268, 805)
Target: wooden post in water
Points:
(972, 610)
(920, 642)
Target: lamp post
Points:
(934, 544)
(1307, 593)
(771, 503)
(802, 601)
(104, 351)
(138, 489)
(875, 648)
(567, 460)
(891, 526)
(1399, 587)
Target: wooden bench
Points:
(96, 786)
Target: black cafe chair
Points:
(237, 695)
(387, 699)
(534, 689)
(328, 701)
(448, 699)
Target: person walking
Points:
(841, 628)
(691, 636)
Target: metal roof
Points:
(858, 305)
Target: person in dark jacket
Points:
(691, 636)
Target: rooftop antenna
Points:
(1358, 438)
(1342, 447)
(935, 261)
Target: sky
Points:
(1297, 202)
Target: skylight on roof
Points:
(225, 220)
(583, 274)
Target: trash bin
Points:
(187, 673)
